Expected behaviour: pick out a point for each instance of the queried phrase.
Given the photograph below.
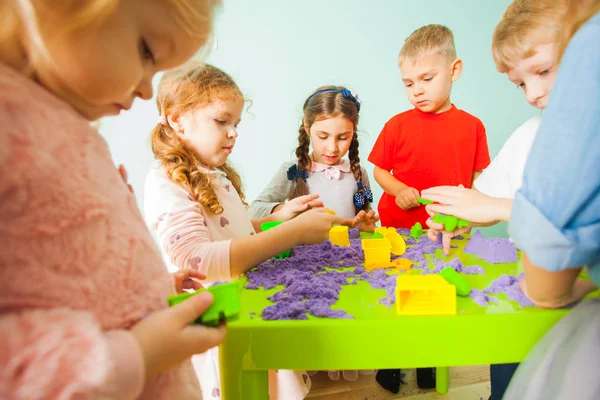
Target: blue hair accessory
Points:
(363, 195)
(345, 92)
(293, 173)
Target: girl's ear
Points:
(307, 130)
(174, 121)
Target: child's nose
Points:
(144, 89)
(534, 94)
(417, 90)
(332, 146)
(232, 133)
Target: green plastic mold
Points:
(225, 307)
(265, 226)
(453, 278)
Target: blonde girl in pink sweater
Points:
(194, 201)
(83, 288)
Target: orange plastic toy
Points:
(424, 295)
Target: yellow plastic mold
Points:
(377, 253)
(338, 235)
(424, 295)
(397, 241)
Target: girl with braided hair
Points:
(330, 125)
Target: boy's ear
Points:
(174, 121)
(456, 69)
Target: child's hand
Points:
(123, 173)
(364, 220)
(313, 226)
(188, 279)
(407, 198)
(166, 337)
(468, 204)
(297, 206)
(435, 229)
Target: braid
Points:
(354, 158)
(301, 187)
(355, 166)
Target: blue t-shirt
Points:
(556, 213)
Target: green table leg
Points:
(442, 379)
(237, 384)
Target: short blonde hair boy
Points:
(428, 39)
(527, 24)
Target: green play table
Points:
(377, 337)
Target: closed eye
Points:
(146, 52)
(544, 72)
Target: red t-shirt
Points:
(424, 150)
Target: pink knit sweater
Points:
(78, 267)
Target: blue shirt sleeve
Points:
(556, 213)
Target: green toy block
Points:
(226, 305)
(453, 278)
(416, 231)
(450, 222)
(265, 226)
(423, 201)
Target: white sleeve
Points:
(504, 176)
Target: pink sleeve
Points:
(63, 354)
(177, 220)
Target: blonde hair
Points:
(575, 18)
(530, 23)
(437, 39)
(184, 89)
(40, 22)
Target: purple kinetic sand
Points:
(494, 250)
(312, 278)
(379, 279)
(510, 286)
(456, 264)
(480, 298)
(403, 231)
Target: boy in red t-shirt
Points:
(433, 144)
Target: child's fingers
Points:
(335, 219)
(192, 273)
(446, 239)
(315, 203)
(429, 211)
(192, 283)
(184, 313)
(441, 191)
(434, 225)
(432, 235)
(439, 208)
(201, 338)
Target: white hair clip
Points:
(162, 120)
